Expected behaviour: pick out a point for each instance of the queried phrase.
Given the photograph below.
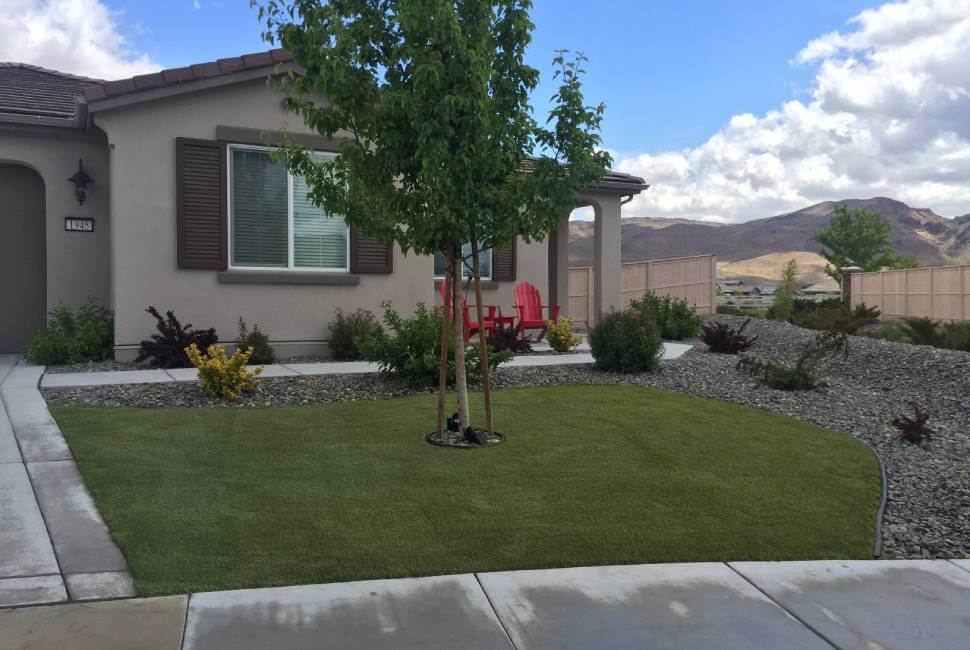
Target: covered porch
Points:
(607, 200)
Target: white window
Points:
(272, 224)
(484, 263)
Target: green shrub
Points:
(926, 331)
(348, 331)
(729, 310)
(627, 341)
(956, 336)
(258, 341)
(560, 335)
(839, 319)
(890, 332)
(923, 331)
(802, 375)
(675, 318)
(70, 337)
(411, 348)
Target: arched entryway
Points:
(23, 256)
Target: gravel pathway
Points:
(928, 514)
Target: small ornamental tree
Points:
(438, 144)
(784, 299)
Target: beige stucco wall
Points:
(143, 233)
(77, 263)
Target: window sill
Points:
(288, 277)
(487, 285)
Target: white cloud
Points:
(77, 36)
(888, 114)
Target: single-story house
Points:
(159, 190)
(822, 290)
(738, 288)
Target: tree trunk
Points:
(461, 382)
(445, 333)
(482, 339)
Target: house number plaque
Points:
(79, 224)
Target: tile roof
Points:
(611, 179)
(175, 76)
(37, 92)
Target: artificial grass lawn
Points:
(225, 498)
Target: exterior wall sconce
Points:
(81, 181)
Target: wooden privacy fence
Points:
(690, 278)
(941, 293)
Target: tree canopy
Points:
(858, 237)
(430, 102)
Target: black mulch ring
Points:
(457, 440)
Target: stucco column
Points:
(559, 267)
(606, 247)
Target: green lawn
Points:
(228, 498)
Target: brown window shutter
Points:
(368, 255)
(202, 217)
(503, 264)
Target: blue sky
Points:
(671, 73)
(731, 109)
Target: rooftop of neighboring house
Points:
(828, 285)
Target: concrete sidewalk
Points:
(906, 605)
(54, 545)
(159, 376)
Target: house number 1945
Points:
(79, 224)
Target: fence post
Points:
(963, 296)
(713, 284)
(905, 293)
(847, 284)
(882, 293)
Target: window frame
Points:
(491, 260)
(290, 267)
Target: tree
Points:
(431, 98)
(903, 262)
(784, 299)
(857, 237)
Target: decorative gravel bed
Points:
(94, 366)
(928, 513)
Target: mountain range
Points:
(757, 250)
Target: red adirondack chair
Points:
(529, 307)
(470, 320)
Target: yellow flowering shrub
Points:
(223, 376)
(560, 335)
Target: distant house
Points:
(827, 288)
(738, 288)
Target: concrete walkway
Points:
(869, 605)
(53, 544)
(159, 376)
